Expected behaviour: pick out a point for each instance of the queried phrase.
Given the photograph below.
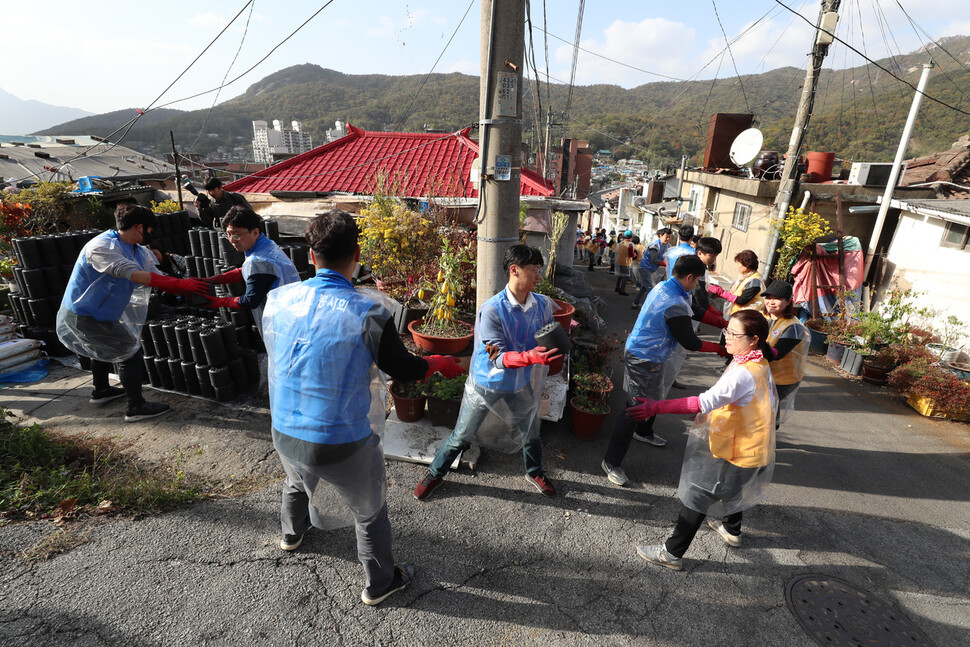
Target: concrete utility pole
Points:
(887, 196)
(825, 27)
(500, 101)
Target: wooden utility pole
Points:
(500, 140)
(825, 26)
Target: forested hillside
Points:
(859, 112)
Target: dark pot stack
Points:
(172, 232)
(299, 253)
(44, 267)
(198, 356)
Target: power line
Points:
(731, 54)
(224, 77)
(405, 115)
(901, 80)
(572, 74)
(256, 64)
(607, 58)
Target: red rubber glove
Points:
(224, 302)
(718, 291)
(444, 364)
(647, 408)
(538, 355)
(232, 276)
(662, 264)
(711, 347)
(713, 318)
(178, 286)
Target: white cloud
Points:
(464, 67)
(208, 20)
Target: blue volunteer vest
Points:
(103, 297)
(645, 263)
(650, 338)
(675, 253)
(265, 257)
(518, 328)
(319, 363)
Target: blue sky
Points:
(106, 55)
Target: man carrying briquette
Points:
(106, 303)
(214, 208)
(325, 343)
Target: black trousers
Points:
(688, 522)
(623, 434)
(130, 373)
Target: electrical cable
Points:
(572, 74)
(405, 115)
(242, 40)
(890, 73)
(731, 54)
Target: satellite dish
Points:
(746, 146)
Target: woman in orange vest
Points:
(745, 294)
(730, 453)
(789, 341)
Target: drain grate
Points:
(835, 614)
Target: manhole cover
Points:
(836, 613)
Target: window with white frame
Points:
(695, 199)
(956, 236)
(742, 216)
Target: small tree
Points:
(795, 232)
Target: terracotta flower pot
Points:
(565, 314)
(835, 352)
(555, 366)
(408, 409)
(586, 426)
(440, 345)
(875, 375)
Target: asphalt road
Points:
(865, 490)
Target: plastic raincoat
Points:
(103, 311)
(676, 252)
(650, 346)
(265, 257)
(308, 327)
(748, 281)
(730, 455)
(504, 400)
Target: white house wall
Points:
(941, 274)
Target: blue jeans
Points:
(472, 414)
(646, 284)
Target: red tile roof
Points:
(426, 164)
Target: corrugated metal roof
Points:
(51, 158)
(423, 164)
(952, 210)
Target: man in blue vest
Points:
(106, 302)
(653, 260)
(663, 324)
(323, 340)
(686, 233)
(266, 266)
(504, 376)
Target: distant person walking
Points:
(625, 255)
(651, 261)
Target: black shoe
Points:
(677, 385)
(402, 577)
(146, 410)
(292, 542)
(108, 395)
(623, 294)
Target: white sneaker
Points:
(718, 527)
(653, 439)
(616, 475)
(658, 555)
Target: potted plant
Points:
(409, 399)
(796, 231)
(588, 415)
(818, 329)
(444, 399)
(953, 328)
(441, 332)
(877, 365)
(938, 393)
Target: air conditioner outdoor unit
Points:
(873, 174)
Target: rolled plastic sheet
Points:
(730, 458)
(107, 341)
